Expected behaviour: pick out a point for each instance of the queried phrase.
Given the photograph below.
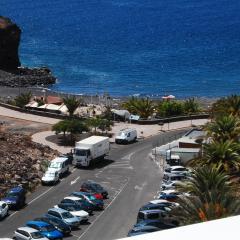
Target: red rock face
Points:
(10, 35)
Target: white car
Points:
(3, 209)
(82, 215)
(164, 202)
(27, 233)
(50, 177)
(176, 169)
(170, 185)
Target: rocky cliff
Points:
(10, 35)
(11, 74)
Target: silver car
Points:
(65, 216)
(27, 233)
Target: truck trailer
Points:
(90, 149)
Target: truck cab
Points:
(82, 156)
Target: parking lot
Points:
(130, 178)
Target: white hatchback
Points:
(27, 233)
(50, 177)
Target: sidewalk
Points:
(26, 116)
(144, 131)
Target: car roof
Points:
(168, 191)
(28, 229)
(158, 201)
(73, 198)
(175, 167)
(59, 210)
(16, 189)
(144, 227)
(38, 223)
(60, 159)
(151, 211)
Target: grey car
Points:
(65, 216)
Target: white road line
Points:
(74, 181)
(74, 170)
(40, 195)
(103, 211)
(13, 214)
(128, 157)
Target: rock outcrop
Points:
(21, 161)
(11, 74)
(10, 35)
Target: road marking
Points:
(74, 181)
(92, 223)
(13, 214)
(40, 195)
(128, 157)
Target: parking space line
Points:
(40, 195)
(104, 210)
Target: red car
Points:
(95, 189)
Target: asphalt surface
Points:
(128, 174)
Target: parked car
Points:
(97, 203)
(59, 165)
(94, 188)
(3, 209)
(27, 233)
(176, 169)
(50, 177)
(153, 206)
(141, 230)
(65, 216)
(164, 203)
(165, 217)
(155, 223)
(170, 185)
(126, 136)
(46, 229)
(82, 204)
(169, 195)
(81, 214)
(15, 198)
(57, 223)
(170, 177)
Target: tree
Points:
(72, 104)
(142, 107)
(98, 122)
(23, 99)
(229, 105)
(191, 106)
(72, 126)
(224, 128)
(170, 108)
(212, 196)
(220, 154)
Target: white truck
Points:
(90, 149)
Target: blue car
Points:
(15, 198)
(142, 230)
(46, 229)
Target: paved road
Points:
(131, 178)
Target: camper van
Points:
(126, 136)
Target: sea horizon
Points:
(133, 47)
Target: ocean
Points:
(133, 47)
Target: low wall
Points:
(161, 121)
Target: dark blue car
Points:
(155, 223)
(46, 229)
(142, 230)
(15, 198)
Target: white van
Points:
(59, 165)
(126, 135)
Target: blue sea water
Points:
(124, 47)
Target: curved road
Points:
(131, 178)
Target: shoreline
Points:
(8, 93)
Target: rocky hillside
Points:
(21, 161)
(11, 74)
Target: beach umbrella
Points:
(168, 97)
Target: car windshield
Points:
(55, 165)
(36, 235)
(67, 215)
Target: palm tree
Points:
(220, 154)
(212, 196)
(224, 128)
(191, 106)
(142, 107)
(72, 104)
(229, 105)
(23, 99)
